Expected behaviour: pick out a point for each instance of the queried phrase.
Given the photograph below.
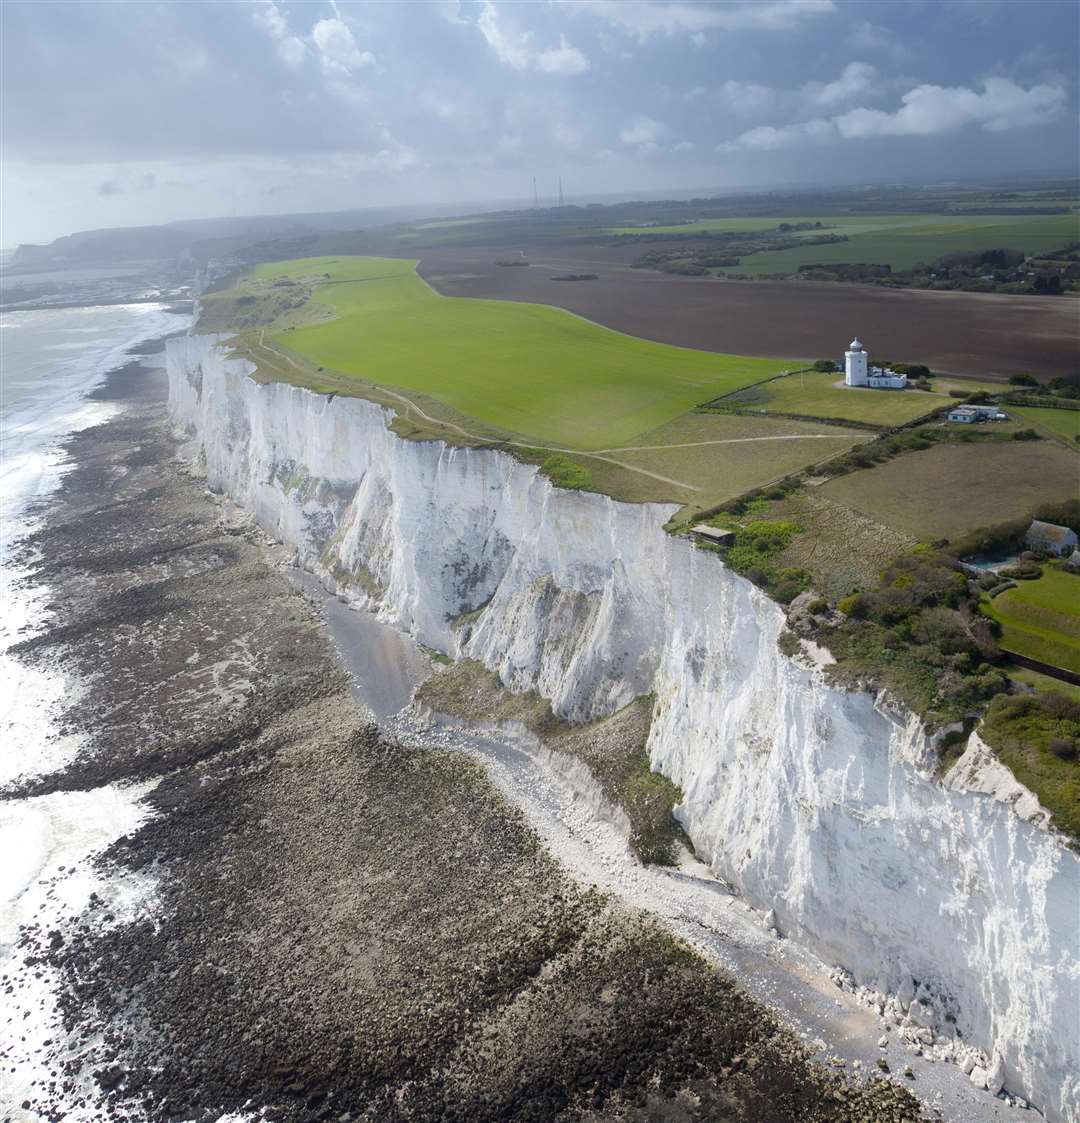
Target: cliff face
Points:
(818, 803)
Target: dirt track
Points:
(982, 335)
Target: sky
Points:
(128, 113)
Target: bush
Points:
(1023, 380)
(824, 365)
(856, 605)
(1062, 749)
(564, 472)
(1064, 513)
(1026, 571)
(1025, 435)
(959, 394)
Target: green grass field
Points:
(1041, 618)
(701, 459)
(943, 384)
(904, 241)
(952, 489)
(1061, 422)
(850, 224)
(818, 395)
(1043, 683)
(717, 226)
(524, 368)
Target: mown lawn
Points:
(524, 368)
(1041, 618)
(824, 395)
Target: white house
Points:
(858, 372)
(1049, 538)
(969, 414)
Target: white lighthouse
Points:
(855, 365)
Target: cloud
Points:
(338, 49)
(925, 111)
(564, 59)
(291, 50)
(770, 138)
(857, 78)
(510, 47)
(649, 18)
(641, 131)
(746, 99)
(513, 47)
(683, 146)
(930, 110)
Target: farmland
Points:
(903, 241)
(952, 489)
(948, 227)
(1041, 618)
(973, 334)
(523, 368)
(816, 394)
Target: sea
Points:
(51, 359)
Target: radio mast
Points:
(560, 191)
(536, 198)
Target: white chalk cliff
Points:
(821, 804)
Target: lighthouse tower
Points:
(855, 365)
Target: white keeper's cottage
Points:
(858, 372)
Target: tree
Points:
(824, 365)
(1023, 380)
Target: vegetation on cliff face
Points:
(612, 748)
(1038, 737)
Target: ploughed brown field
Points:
(977, 334)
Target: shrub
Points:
(1025, 571)
(1023, 380)
(958, 394)
(1025, 435)
(564, 472)
(856, 605)
(1062, 749)
(1064, 513)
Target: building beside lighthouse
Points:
(859, 372)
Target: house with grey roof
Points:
(1049, 538)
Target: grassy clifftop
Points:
(523, 368)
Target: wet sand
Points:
(980, 335)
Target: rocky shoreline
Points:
(343, 927)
